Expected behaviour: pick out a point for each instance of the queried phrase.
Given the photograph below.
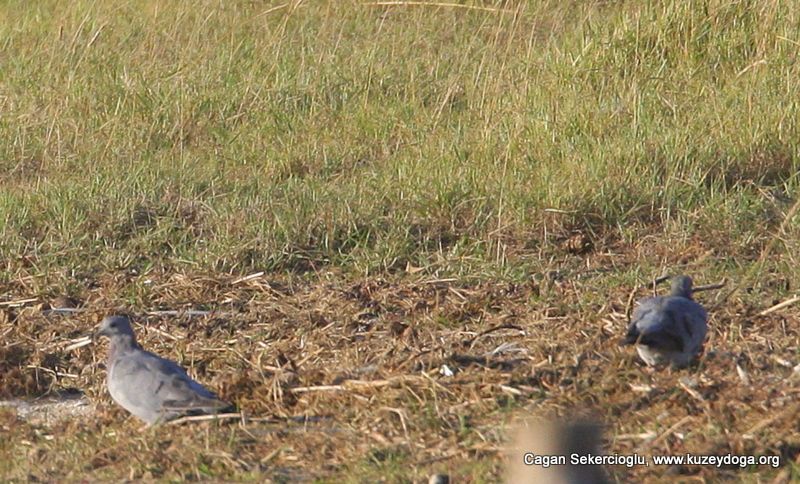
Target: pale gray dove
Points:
(150, 387)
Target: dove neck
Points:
(681, 292)
(121, 344)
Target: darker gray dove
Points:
(148, 386)
(669, 329)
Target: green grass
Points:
(368, 138)
(145, 140)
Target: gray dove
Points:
(669, 329)
(148, 386)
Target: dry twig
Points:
(778, 306)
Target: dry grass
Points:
(340, 378)
(417, 187)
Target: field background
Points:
(406, 178)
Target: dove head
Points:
(115, 328)
(682, 286)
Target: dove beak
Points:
(97, 333)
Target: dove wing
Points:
(689, 320)
(642, 314)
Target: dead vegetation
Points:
(398, 377)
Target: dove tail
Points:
(205, 405)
